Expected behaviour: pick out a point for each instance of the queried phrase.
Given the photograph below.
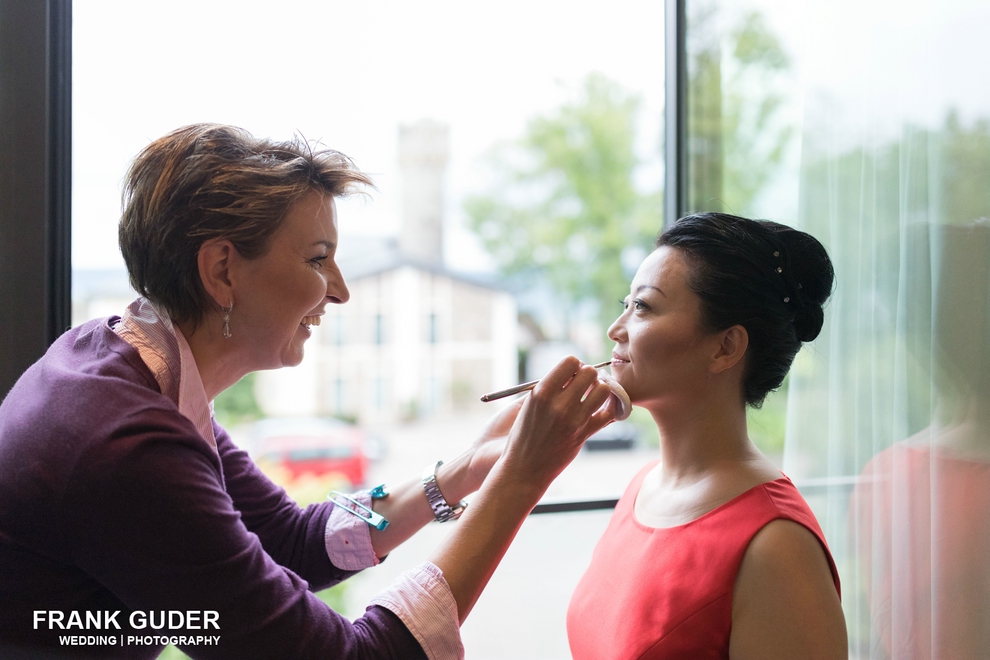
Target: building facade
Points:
(416, 339)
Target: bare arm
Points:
(554, 422)
(784, 603)
(407, 509)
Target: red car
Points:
(313, 445)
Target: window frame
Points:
(36, 65)
(675, 110)
(35, 180)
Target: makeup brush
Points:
(501, 394)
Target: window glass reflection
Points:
(857, 122)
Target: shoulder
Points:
(84, 392)
(84, 408)
(89, 357)
(785, 603)
(784, 545)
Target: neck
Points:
(696, 439)
(214, 357)
(963, 429)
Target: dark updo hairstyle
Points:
(769, 278)
(209, 181)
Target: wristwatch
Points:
(442, 511)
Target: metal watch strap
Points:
(442, 511)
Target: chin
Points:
(637, 397)
(294, 351)
(626, 385)
(293, 359)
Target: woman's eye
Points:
(637, 304)
(318, 261)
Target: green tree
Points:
(236, 404)
(965, 169)
(737, 81)
(565, 207)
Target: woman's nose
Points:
(337, 291)
(615, 329)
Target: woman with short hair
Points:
(119, 493)
(712, 552)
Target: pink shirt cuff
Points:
(348, 538)
(423, 601)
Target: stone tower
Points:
(424, 149)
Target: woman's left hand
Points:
(487, 449)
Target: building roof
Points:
(366, 256)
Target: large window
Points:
(474, 121)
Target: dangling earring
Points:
(226, 320)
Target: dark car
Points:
(617, 435)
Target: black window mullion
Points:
(675, 110)
(35, 180)
(59, 171)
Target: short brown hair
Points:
(209, 181)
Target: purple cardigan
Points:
(111, 501)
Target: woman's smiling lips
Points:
(618, 359)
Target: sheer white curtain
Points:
(889, 411)
(867, 123)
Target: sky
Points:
(347, 74)
(350, 73)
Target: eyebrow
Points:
(330, 244)
(647, 286)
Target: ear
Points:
(731, 349)
(214, 259)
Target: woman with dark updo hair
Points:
(712, 552)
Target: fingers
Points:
(576, 387)
(602, 417)
(598, 393)
(559, 376)
(603, 414)
(557, 417)
(571, 375)
(620, 402)
(573, 399)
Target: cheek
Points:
(650, 341)
(654, 345)
(301, 292)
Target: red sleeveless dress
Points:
(667, 593)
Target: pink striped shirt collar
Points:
(166, 352)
